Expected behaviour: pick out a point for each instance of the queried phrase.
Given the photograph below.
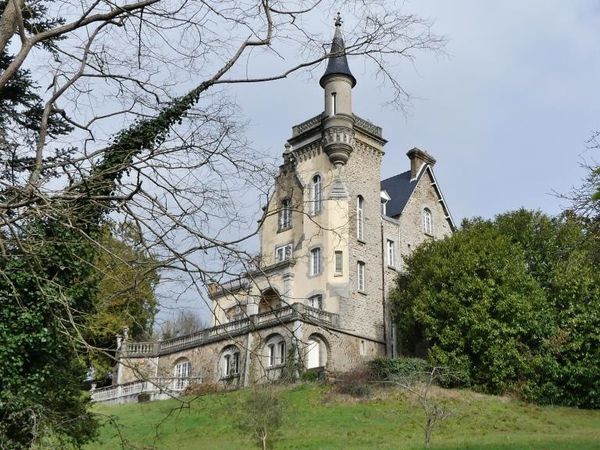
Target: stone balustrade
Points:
(307, 125)
(296, 311)
(157, 388)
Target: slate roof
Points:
(399, 188)
(338, 65)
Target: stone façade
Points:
(270, 316)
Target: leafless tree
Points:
(168, 64)
(585, 199)
(156, 139)
(420, 385)
(186, 322)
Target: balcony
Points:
(155, 388)
(289, 313)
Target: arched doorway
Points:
(316, 352)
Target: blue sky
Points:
(506, 111)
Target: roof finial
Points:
(338, 20)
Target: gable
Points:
(401, 188)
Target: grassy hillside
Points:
(316, 418)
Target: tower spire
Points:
(338, 64)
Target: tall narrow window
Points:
(427, 222)
(315, 261)
(317, 195)
(235, 363)
(391, 253)
(334, 103)
(275, 351)
(281, 352)
(271, 351)
(182, 372)
(360, 276)
(339, 262)
(360, 217)
(285, 214)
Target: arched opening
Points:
(316, 352)
(427, 221)
(317, 195)
(181, 374)
(229, 362)
(275, 351)
(269, 300)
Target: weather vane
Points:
(338, 20)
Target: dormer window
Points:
(427, 222)
(317, 195)
(285, 215)
(385, 198)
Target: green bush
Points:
(509, 305)
(390, 369)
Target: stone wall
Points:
(362, 312)
(341, 352)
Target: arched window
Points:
(316, 352)
(285, 214)
(276, 351)
(229, 363)
(181, 372)
(317, 195)
(360, 217)
(427, 222)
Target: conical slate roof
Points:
(337, 65)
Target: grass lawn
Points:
(316, 418)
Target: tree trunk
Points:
(8, 22)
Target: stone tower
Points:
(331, 177)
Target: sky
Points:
(506, 111)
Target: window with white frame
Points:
(285, 214)
(391, 253)
(360, 276)
(276, 351)
(385, 198)
(427, 221)
(360, 217)
(283, 253)
(339, 262)
(316, 301)
(317, 195)
(181, 372)
(315, 261)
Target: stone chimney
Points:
(418, 158)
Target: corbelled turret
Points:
(338, 120)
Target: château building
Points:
(332, 241)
